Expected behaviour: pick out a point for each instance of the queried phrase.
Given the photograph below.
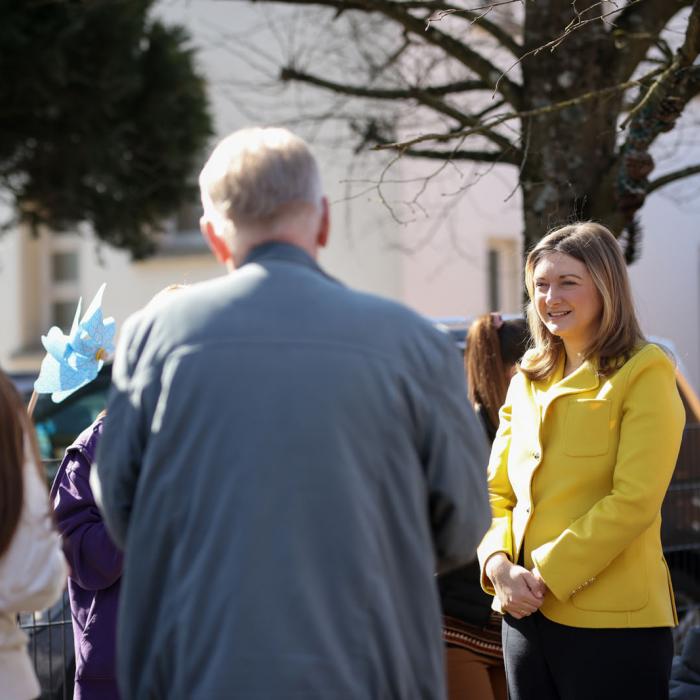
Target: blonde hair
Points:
(255, 174)
(493, 345)
(618, 333)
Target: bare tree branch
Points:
(474, 156)
(637, 29)
(383, 93)
(509, 116)
(475, 16)
(677, 73)
(674, 176)
(425, 96)
(371, 133)
(560, 109)
(655, 114)
(578, 23)
(397, 11)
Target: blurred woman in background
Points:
(32, 568)
(95, 569)
(471, 630)
(96, 563)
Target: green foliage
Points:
(103, 116)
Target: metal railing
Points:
(51, 648)
(680, 532)
(51, 636)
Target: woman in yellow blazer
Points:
(586, 446)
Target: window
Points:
(62, 313)
(187, 218)
(62, 275)
(64, 267)
(494, 277)
(503, 283)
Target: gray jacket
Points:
(287, 463)
(685, 674)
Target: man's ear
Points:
(324, 226)
(216, 243)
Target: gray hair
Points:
(253, 173)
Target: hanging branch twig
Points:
(400, 13)
(674, 176)
(575, 24)
(495, 121)
(428, 97)
(653, 16)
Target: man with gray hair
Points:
(286, 463)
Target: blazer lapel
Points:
(585, 378)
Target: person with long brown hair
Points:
(586, 446)
(32, 568)
(494, 348)
(471, 630)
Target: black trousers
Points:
(548, 661)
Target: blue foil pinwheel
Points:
(74, 360)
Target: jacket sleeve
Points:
(95, 561)
(32, 570)
(135, 387)
(499, 537)
(456, 459)
(650, 434)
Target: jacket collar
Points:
(286, 252)
(584, 378)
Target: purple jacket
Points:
(95, 570)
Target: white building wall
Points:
(10, 294)
(449, 274)
(434, 258)
(666, 279)
(130, 285)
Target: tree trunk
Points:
(569, 152)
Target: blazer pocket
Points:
(622, 586)
(587, 427)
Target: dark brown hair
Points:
(493, 346)
(14, 426)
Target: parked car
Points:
(58, 424)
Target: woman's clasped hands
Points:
(520, 591)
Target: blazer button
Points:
(536, 455)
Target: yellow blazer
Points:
(578, 471)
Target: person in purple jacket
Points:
(95, 570)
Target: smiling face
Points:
(567, 300)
